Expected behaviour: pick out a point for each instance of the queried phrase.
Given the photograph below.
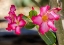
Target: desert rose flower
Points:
(17, 24)
(46, 19)
(14, 22)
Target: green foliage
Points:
(29, 24)
(26, 18)
(32, 13)
(49, 38)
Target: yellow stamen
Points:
(17, 22)
(44, 17)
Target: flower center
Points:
(17, 22)
(45, 18)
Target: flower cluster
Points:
(45, 20)
(14, 22)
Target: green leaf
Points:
(32, 13)
(49, 38)
(29, 25)
(25, 17)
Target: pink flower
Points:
(46, 18)
(14, 22)
(17, 24)
(11, 13)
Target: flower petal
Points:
(9, 28)
(19, 18)
(51, 17)
(56, 9)
(8, 18)
(37, 20)
(51, 21)
(51, 25)
(44, 9)
(56, 16)
(12, 8)
(13, 25)
(43, 28)
(12, 13)
(22, 23)
(17, 30)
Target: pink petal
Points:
(19, 18)
(17, 30)
(51, 25)
(57, 9)
(8, 18)
(43, 28)
(37, 20)
(22, 23)
(56, 16)
(9, 28)
(12, 13)
(12, 8)
(13, 25)
(51, 21)
(15, 19)
(44, 9)
(50, 17)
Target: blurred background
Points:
(28, 37)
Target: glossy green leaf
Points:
(29, 25)
(49, 38)
(32, 13)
